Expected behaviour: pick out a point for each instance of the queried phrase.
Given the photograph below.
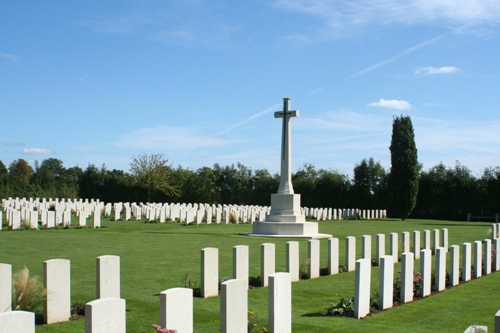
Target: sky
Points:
(98, 82)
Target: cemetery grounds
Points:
(156, 257)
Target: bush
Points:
(28, 293)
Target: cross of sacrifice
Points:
(286, 147)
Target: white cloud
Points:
(36, 151)
(169, 138)
(392, 104)
(11, 57)
(435, 70)
(341, 18)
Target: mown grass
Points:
(154, 257)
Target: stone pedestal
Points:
(286, 220)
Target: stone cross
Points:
(286, 147)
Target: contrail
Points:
(404, 53)
(257, 115)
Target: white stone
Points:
(267, 262)
(333, 256)
(350, 252)
(293, 260)
(313, 252)
(105, 315)
(240, 263)
(405, 239)
(454, 265)
(362, 288)
(380, 246)
(416, 244)
(435, 240)
(17, 322)
(386, 282)
(407, 264)
(440, 283)
(487, 256)
(366, 247)
(97, 218)
(280, 303)
(57, 281)
(394, 246)
(478, 259)
(444, 239)
(108, 276)
(496, 247)
(233, 306)
(427, 239)
(425, 271)
(5, 288)
(466, 262)
(209, 272)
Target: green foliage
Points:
(152, 173)
(369, 185)
(403, 178)
(344, 307)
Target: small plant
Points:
(233, 218)
(163, 330)
(343, 308)
(252, 322)
(254, 282)
(304, 270)
(77, 310)
(28, 293)
(26, 225)
(342, 268)
(186, 282)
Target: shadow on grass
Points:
(315, 314)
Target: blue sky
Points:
(100, 81)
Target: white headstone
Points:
(5, 288)
(267, 262)
(425, 271)
(435, 240)
(394, 246)
(454, 265)
(313, 251)
(17, 322)
(366, 247)
(280, 303)
(292, 260)
(487, 256)
(234, 306)
(386, 282)
(380, 247)
(240, 263)
(350, 248)
(57, 282)
(405, 236)
(333, 256)
(444, 239)
(362, 288)
(466, 262)
(427, 239)
(209, 272)
(440, 283)
(407, 264)
(105, 315)
(478, 259)
(416, 244)
(108, 276)
(176, 309)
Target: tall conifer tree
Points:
(403, 179)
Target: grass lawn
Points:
(154, 257)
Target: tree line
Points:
(438, 193)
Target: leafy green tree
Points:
(403, 178)
(369, 184)
(4, 178)
(152, 172)
(264, 184)
(331, 189)
(19, 177)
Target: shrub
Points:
(28, 293)
(233, 218)
(344, 308)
